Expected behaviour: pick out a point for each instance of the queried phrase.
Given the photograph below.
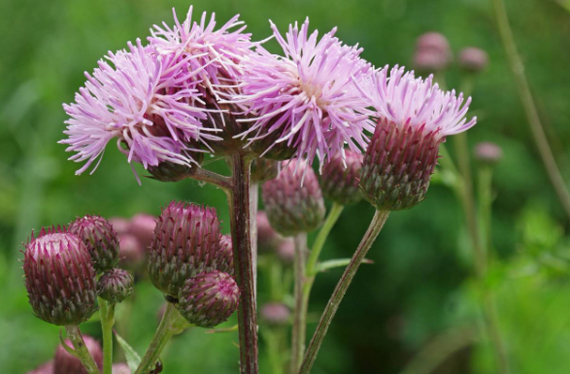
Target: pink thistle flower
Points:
(305, 103)
(137, 97)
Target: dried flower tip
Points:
(293, 201)
(473, 60)
(340, 178)
(115, 285)
(187, 242)
(275, 314)
(488, 153)
(65, 363)
(100, 239)
(60, 278)
(209, 299)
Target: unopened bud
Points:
(100, 239)
(115, 285)
(473, 60)
(488, 153)
(340, 178)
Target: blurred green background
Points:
(420, 286)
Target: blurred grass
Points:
(419, 284)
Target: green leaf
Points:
(336, 263)
(133, 358)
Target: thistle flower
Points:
(187, 242)
(65, 363)
(275, 314)
(293, 201)
(340, 178)
(209, 299)
(60, 278)
(305, 103)
(115, 285)
(414, 117)
(100, 239)
(138, 97)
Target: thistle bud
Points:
(488, 153)
(115, 285)
(433, 53)
(142, 227)
(473, 60)
(65, 363)
(60, 278)
(131, 252)
(267, 238)
(187, 242)
(293, 201)
(99, 238)
(209, 299)
(263, 169)
(227, 252)
(398, 165)
(275, 314)
(285, 251)
(340, 178)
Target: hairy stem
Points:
(204, 175)
(527, 100)
(107, 313)
(239, 202)
(172, 323)
(372, 232)
(80, 350)
(299, 333)
(253, 203)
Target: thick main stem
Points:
(172, 323)
(299, 333)
(107, 313)
(239, 202)
(372, 232)
(523, 89)
(80, 350)
(253, 203)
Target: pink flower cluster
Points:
(313, 100)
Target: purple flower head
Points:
(306, 100)
(136, 96)
(405, 100)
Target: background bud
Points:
(275, 314)
(142, 226)
(209, 299)
(187, 242)
(121, 368)
(433, 53)
(115, 285)
(339, 182)
(99, 238)
(64, 363)
(60, 278)
(398, 165)
(263, 169)
(267, 237)
(293, 201)
(473, 60)
(46, 368)
(488, 153)
(131, 252)
(285, 251)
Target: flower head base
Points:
(340, 178)
(139, 98)
(115, 285)
(60, 278)
(264, 169)
(100, 239)
(187, 241)
(65, 363)
(293, 201)
(305, 104)
(209, 299)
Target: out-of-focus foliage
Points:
(420, 285)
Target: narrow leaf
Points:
(336, 263)
(133, 358)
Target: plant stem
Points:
(273, 341)
(239, 202)
(80, 350)
(204, 175)
(172, 323)
(485, 177)
(107, 313)
(253, 203)
(368, 239)
(527, 100)
(299, 333)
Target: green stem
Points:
(273, 340)
(172, 323)
(368, 239)
(80, 350)
(485, 177)
(240, 220)
(299, 333)
(107, 313)
(527, 100)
